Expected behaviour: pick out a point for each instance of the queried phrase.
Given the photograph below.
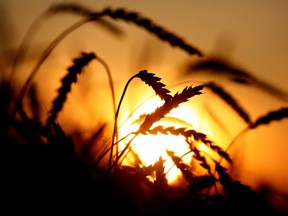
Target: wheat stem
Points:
(116, 119)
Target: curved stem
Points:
(107, 150)
(123, 151)
(110, 81)
(43, 57)
(233, 141)
(230, 145)
(115, 128)
(22, 49)
(188, 152)
(113, 95)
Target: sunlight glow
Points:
(149, 148)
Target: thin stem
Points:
(115, 128)
(110, 81)
(234, 140)
(43, 57)
(188, 152)
(108, 149)
(22, 49)
(123, 151)
(112, 93)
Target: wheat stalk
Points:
(151, 80)
(275, 115)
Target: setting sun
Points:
(150, 147)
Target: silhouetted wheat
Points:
(266, 119)
(220, 67)
(168, 105)
(269, 117)
(154, 81)
(71, 77)
(170, 102)
(196, 183)
(187, 133)
(198, 155)
(228, 98)
(96, 172)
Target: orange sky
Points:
(251, 33)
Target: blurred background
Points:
(251, 34)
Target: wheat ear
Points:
(222, 67)
(71, 77)
(230, 100)
(168, 105)
(198, 136)
(275, 115)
